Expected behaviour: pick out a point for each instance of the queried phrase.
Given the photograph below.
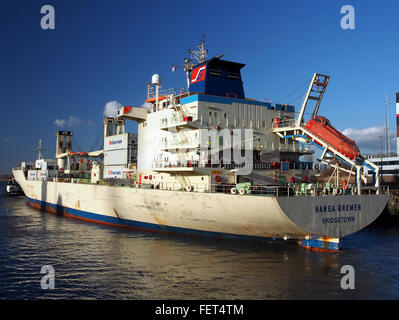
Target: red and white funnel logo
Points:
(198, 74)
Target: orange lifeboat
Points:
(155, 99)
(321, 127)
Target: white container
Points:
(115, 157)
(113, 172)
(120, 141)
(44, 166)
(42, 175)
(32, 175)
(38, 163)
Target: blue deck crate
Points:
(285, 166)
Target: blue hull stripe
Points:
(331, 246)
(167, 229)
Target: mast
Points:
(39, 150)
(200, 55)
(386, 125)
(202, 52)
(187, 69)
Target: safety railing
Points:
(290, 190)
(164, 92)
(177, 119)
(291, 123)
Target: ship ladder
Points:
(316, 91)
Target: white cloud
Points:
(364, 135)
(74, 122)
(71, 122)
(111, 109)
(60, 123)
(368, 139)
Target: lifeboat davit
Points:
(322, 128)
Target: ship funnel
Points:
(64, 145)
(60, 142)
(120, 126)
(68, 141)
(109, 127)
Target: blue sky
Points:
(102, 51)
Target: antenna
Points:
(202, 53)
(387, 144)
(39, 150)
(199, 55)
(188, 66)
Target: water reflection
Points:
(99, 262)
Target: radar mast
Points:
(200, 55)
(39, 150)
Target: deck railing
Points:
(289, 190)
(293, 190)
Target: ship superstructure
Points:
(189, 134)
(207, 160)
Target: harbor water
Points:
(93, 261)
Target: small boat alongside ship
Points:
(13, 189)
(208, 161)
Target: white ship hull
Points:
(209, 214)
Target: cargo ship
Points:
(208, 161)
